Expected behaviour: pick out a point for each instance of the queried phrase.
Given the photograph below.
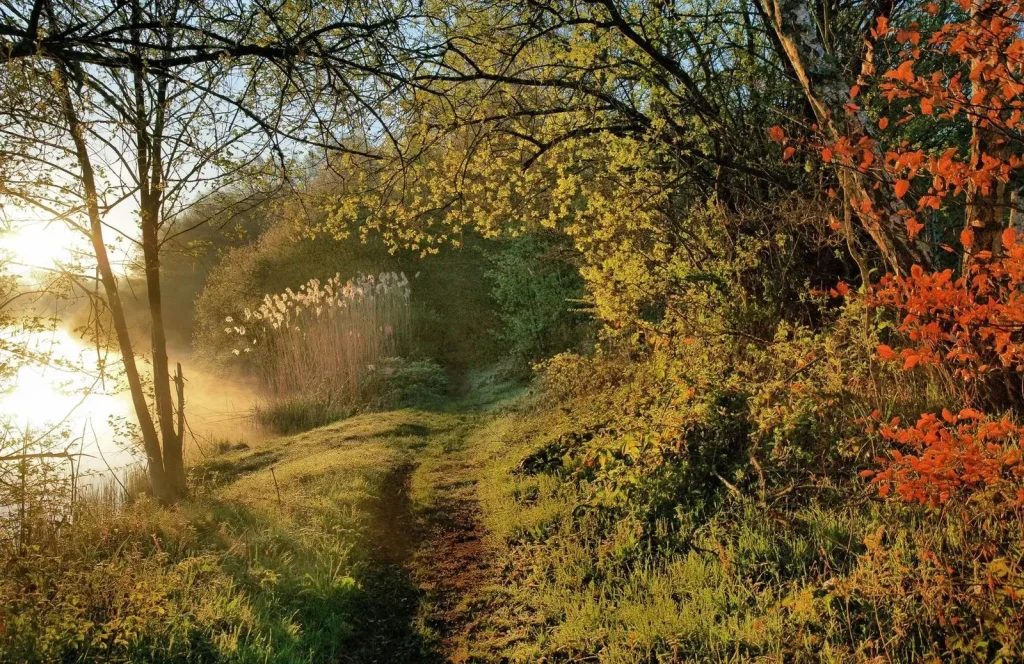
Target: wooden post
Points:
(276, 487)
(179, 384)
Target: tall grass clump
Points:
(44, 490)
(315, 345)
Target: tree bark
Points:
(149, 150)
(986, 212)
(172, 449)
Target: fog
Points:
(87, 411)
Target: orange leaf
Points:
(885, 352)
(777, 133)
(901, 187)
(788, 153)
(905, 72)
(911, 362)
(826, 155)
(967, 238)
(883, 123)
(913, 228)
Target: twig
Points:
(99, 447)
(276, 487)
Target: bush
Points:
(452, 312)
(396, 382)
(704, 495)
(538, 293)
(280, 258)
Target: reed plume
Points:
(319, 341)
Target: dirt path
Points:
(392, 534)
(387, 620)
(429, 557)
(454, 562)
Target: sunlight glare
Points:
(39, 245)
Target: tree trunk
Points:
(158, 480)
(827, 92)
(174, 465)
(986, 210)
(149, 150)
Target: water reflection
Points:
(89, 410)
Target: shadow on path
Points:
(386, 617)
(454, 562)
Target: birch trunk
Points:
(827, 92)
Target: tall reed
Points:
(43, 489)
(320, 340)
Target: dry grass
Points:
(294, 550)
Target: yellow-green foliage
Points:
(703, 504)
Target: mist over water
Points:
(87, 413)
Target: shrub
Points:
(394, 382)
(455, 331)
(739, 459)
(538, 294)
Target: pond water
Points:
(87, 412)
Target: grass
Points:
(390, 384)
(568, 583)
(238, 574)
(322, 339)
(421, 536)
(300, 413)
(406, 536)
(569, 591)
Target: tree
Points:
(636, 128)
(966, 320)
(163, 104)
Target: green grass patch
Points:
(300, 413)
(286, 553)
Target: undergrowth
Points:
(390, 383)
(694, 506)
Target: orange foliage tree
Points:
(967, 319)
